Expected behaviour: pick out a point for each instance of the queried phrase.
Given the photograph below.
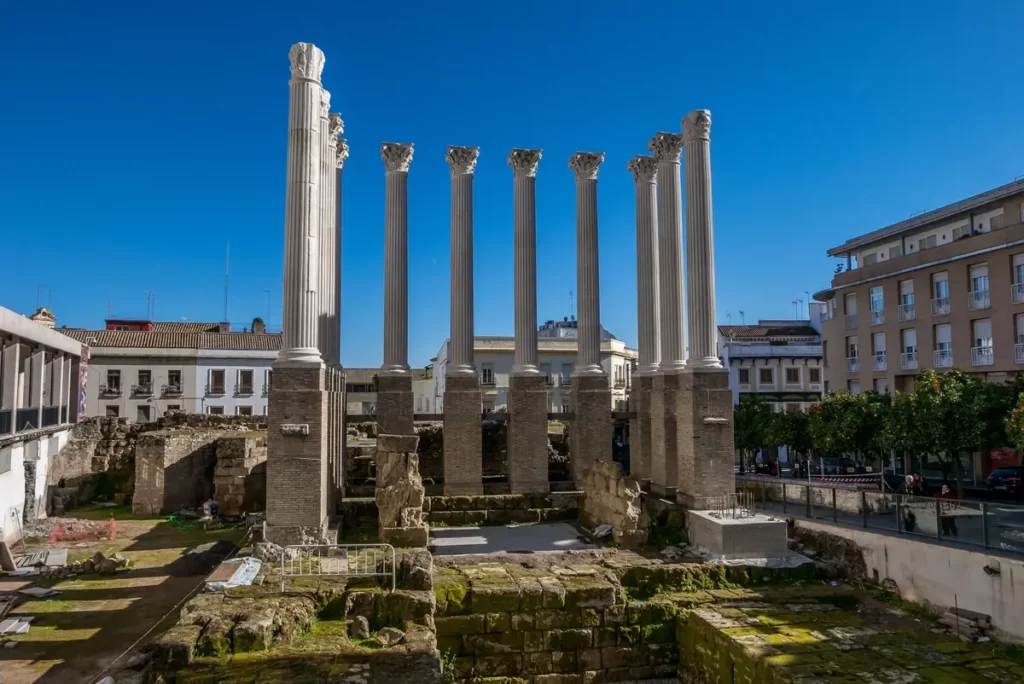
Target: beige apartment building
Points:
(940, 290)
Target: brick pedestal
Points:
(706, 439)
(590, 435)
(298, 479)
(528, 434)
(395, 405)
(664, 434)
(463, 436)
(640, 429)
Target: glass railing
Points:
(940, 306)
(943, 358)
(907, 312)
(981, 356)
(979, 299)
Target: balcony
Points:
(940, 306)
(266, 389)
(877, 316)
(908, 361)
(907, 312)
(243, 390)
(144, 389)
(171, 390)
(878, 361)
(215, 390)
(979, 299)
(851, 321)
(110, 390)
(826, 315)
(943, 358)
(487, 380)
(1018, 356)
(1017, 292)
(981, 356)
(853, 364)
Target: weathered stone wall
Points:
(240, 477)
(174, 469)
(502, 509)
(400, 493)
(611, 498)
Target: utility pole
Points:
(227, 274)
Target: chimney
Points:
(223, 327)
(44, 317)
(258, 327)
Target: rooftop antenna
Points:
(149, 304)
(227, 277)
(728, 318)
(743, 319)
(572, 308)
(108, 308)
(38, 288)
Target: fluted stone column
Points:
(463, 437)
(645, 173)
(667, 148)
(338, 150)
(706, 443)
(528, 391)
(394, 384)
(325, 304)
(298, 435)
(341, 154)
(590, 435)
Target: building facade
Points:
(940, 290)
(779, 361)
(141, 369)
(361, 391)
(557, 345)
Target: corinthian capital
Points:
(697, 125)
(524, 162)
(666, 146)
(644, 168)
(585, 164)
(462, 160)
(396, 156)
(337, 125)
(307, 61)
(342, 154)
(325, 103)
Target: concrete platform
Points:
(467, 541)
(756, 536)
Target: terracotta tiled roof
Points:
(760, 331)
(187, 327)
(176, 340)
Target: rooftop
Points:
(768, 329)
(133, 339)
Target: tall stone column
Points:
(325, 253)
(707, 442)
(394, 384)
(590, 435)
(463, 436)
(667, 148)
(338, 466)
(528, 388)
(645, 173)
(298, 480)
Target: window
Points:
(545, 369)
(1020, 328)
(982, 332)
(244, 385)
(792, 407)
(943, 338)
(113, 410)
(979, 278)
(174, 379)
(744, 376)
(869, 259)
(113, 380)
(566, 373)
(766, 376)
(881, 385)
(815, 375)
(851, 347)
(961, 232)
(215, 382)
(487, 374)
(215, 410)
(850, 304)
(266, 409)
(145, 377)
(878, 343)
(926, 243)
(792, 376)
(853, 386)
(824, 352)
(268, 376)
(940, 285)
(174, 407)
(142, 414)
(245, 410)
(907, 292)
(910, 342)
(876, 299)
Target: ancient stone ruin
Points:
(611, 498)
(400, 494)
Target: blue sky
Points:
(136, 139)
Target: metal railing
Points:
(487, 381)
(143, 389)
(244, 389)
(171, 390)
(979, 299)
(853, 364)
(878, 362)
(981, 356)
(851, 321)
(110, 390)
(943, 358)
(215, 389)
(1017, 293)
(266, 389)
(908, 361)
(907, 312)
(51, 416)
(990, 525)
(730, 506)
(940, 306)
(346, 560)
(1018, 352)
(877, 316)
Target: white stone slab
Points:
(757, 536)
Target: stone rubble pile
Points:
(98, 564)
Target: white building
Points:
(556, 342)
(778, 360)
(40, 375)
(140, 369)
(361, 391)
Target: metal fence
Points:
(328, 560)
(990, 525)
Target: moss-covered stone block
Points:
(616, 615)
(589, 659)
(590, 617)
(463, 666)
(499, 622)
(658, 633)
(503, 664)
(215, 640)
(568, 639)
(605, 636)
(638, 612)
(537, 662)
(663, 654)
(629, 635)
(554, 593)
(176, 647)
(533, 641)
(396, 608)
(531, 594)
(558, 619)
(451, 591)
(521, 622)
(490, 644)
(461, 624)
(562, 679)
(451, 644)
(624, 656)
(494, 596)
(586, 592)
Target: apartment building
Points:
(780, 361)
(361, 391)
(939, 290)
(141, 369)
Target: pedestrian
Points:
(948, 507)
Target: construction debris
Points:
(967, 624)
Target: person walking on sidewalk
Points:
(948, 506)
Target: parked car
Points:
(836, 465)
(1009, 479)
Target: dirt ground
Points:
(95, 619)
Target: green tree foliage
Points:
(947, 406)
(834, 423)
(751, 419)
(1014, 424)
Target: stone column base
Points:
(528, 434)
(706, 439)
(463, 436)
(395, 405)
(664, 435)
(640, 429)
(590, 434)
(295, 535)
(298, 479)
